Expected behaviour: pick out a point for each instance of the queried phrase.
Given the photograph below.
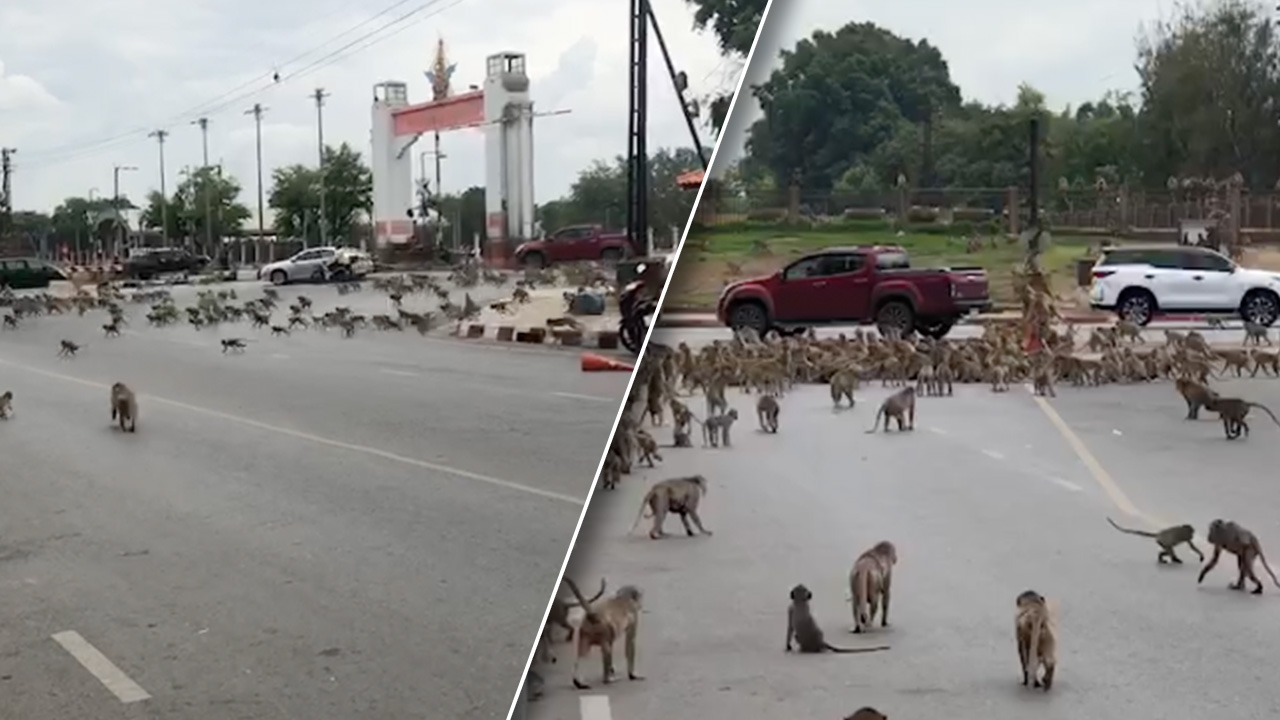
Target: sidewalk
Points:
(687, 319)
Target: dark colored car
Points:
(27, 273)
(856, 286)
(146, 265)
(575, 243)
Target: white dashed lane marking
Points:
(111, 677)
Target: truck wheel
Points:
(937, 329)
(610, 255)
(895, 318)
(1261, 307)
(534, 261)
(278, 277)
(749, 314)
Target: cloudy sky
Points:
(1072, 52)
(82, 82)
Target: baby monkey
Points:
(808, 636)
(900, 406)
(1168, 539)
(767, 412)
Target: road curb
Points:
(702, 320)
(539, 335)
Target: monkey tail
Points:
(861, 594)
(1266, 410)
(1033, 655)
(834, 649)
(1267, 567)
(644, 504)
(879, 414)
(1142, 533)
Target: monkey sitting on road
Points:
(601, 626)
(1235, 539)
(804, 629)
(1168, 539)
(716, 428)
(869, 583)
(680, 437)
(767, 412)
(677, 495)
(6, 405)
(124, 407)
(1037, 646)
(1233, 411)
(1197, 395)
(900, 406)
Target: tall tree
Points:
(209, 188)
(599, 195)
(734, 23)
(348, 196)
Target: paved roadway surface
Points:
(988, 497)
(316, 528)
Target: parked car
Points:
(147, 264)
(28, 273)
(575, 243)
(308, 265)
(855, 286)
(1139, 283)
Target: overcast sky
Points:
(74, 73)
(1072, 52)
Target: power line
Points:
(57, 155)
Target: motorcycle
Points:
(636, 307)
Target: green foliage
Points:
(850, 111)
(599, 196)
(734, 23)
(348, 196)
(79, 221)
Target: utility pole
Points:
(115, 203)
(160, 135)
(205, 182)
(256, 111)
(319, 96)
(6, 191)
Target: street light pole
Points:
(160, 135)
(319, 96)
(115, 202)
(205, 181)
(256, 111)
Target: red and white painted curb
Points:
(540, 335)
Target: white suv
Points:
(1140, 282)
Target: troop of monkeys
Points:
(923, 367)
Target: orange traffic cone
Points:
(599, 363)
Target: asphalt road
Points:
(991, 495)
(316, 528)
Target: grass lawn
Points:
(712, 258)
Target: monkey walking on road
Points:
(602, 625)
(1233, 411)
(236, 344)
(1235, 539)
(869, 584)
(1168, 539)
(767, 412)
(804, 629)
(1197, 395)
(900, 406)
(124, 407)
(68, 349)
(677, 495)
(1037, 646)
(558, 616)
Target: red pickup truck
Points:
(574, 244)
(856, 286)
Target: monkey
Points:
(1255, 333)
(867, 713)
(716, 428)
(648, 447)
(611, 470)
(68, 349)
(1215, 322)
(124, 407)
(558, 616)
(944, 376)
(1235, 539)
(1037, 645)
(1168, 539)
(714, 395)
(843, 383)
(680, 438)
(681, 416)
(1197, 395)
(1042, 380)
(1268, 361)
(277, 330)
(1233, 412)
(804, 629)
(653, 408)
(677, 495)
(6, 405)
(238, 344)
(533, 685)
(601, 626)
(10, 322)
(111, 329)
(900, 406)
(999, 378)
(767, 412)
(869, 582)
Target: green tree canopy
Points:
(734, 23)
(348, 196)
